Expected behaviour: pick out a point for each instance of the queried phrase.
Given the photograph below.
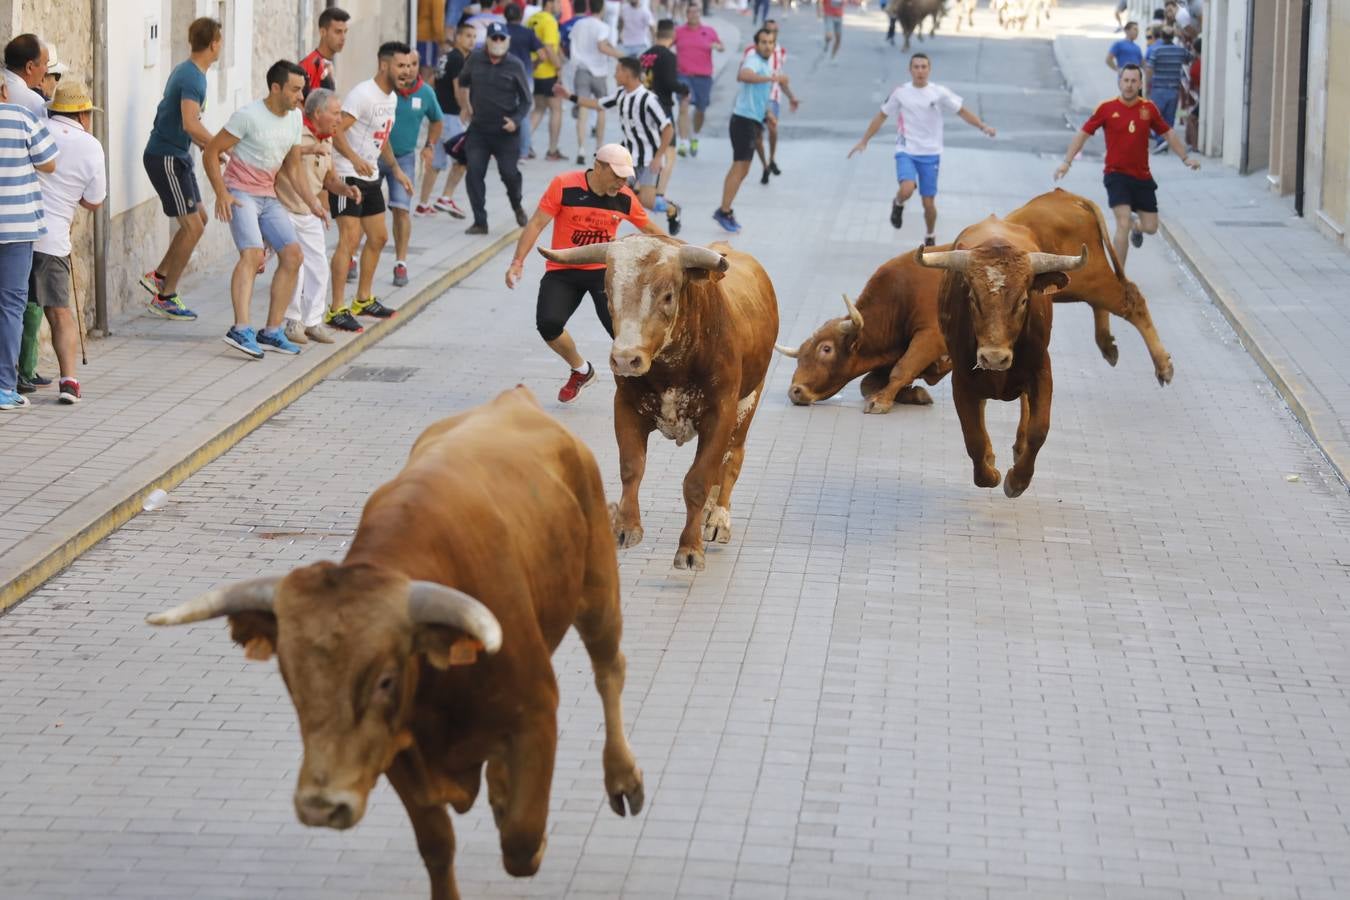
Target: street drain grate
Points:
(387, 374)
(1247, 223)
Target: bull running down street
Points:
(1128, 682)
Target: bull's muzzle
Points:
(320, 808)
(995, 359)
(629, 362)
(800, 396)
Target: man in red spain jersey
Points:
(318, 65)
(585, 207)
(1131, 191)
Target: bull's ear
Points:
(444, 646)
(700, 274)
(1049, 282)
(256, 632)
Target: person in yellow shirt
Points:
(548, 61)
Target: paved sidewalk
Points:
(1278, 281)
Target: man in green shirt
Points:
(416, 102)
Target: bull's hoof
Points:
(1110, 352)
(1164, 373)
(717, 527)
(690, 558)
(626, 789)
(878, 407)
(987, 477)
(626, 534)
(519, 865)
(914, 395)
(1013, 486)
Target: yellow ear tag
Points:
(464, 652)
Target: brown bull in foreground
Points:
(1062, 222)
(890, 336)
(995, 311)
(425, 653)
(693, 338)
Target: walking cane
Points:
(79, 319)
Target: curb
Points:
(1286, 383)
(52, 561)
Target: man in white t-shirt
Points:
(262, 139)
(77, 182)
(592, 44)
(361, 142)
(918, 106)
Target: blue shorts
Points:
(398, 197)
(700, 89)
(428, 54)
(257, 219)
(775, 109)
(923, 169)
(834, 25)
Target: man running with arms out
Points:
(261, 139)
(1130, 187)
(918, 106)
(361, 142)
(747, 122)
(647, 131)
(586, 207)
(168, 162)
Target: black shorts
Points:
(744, 136)
(175, 181)
(370, 204)
(1138, 195)
(560, 293)
(543, 87)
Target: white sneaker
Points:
(295, 333)
(320, 334)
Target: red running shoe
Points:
(575, 383)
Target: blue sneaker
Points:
(12, 400)
(660, 204)
(170, 306)
(275, 339)
(243, 340)
(728, 221)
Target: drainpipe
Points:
(1250, 38)
(101, 221)
(1300, 163)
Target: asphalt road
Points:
(1129, 682)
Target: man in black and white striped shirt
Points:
(647, 130)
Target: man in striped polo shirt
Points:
(1166, 61)
(647, 130)
(26, 148)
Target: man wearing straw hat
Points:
(79, 181)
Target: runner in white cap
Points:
(585, 207)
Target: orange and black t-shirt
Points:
(1127, 128)
(581, 217)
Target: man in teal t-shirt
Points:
(756, 79)
(416, 103)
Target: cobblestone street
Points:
(1129, 682)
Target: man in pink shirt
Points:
(832, 11)
(694, 46)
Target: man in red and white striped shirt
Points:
(776, 60)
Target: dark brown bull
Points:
(693, 338)
(911, 13)
(425, 653)
(890, 336)
(995, 310)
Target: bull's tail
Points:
(1104, 234)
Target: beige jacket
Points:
(316, 167)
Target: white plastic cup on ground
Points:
(155, 500)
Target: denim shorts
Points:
(260, 219)
(700, 89)
(923, 169)
(398, 197)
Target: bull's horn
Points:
(854, 316)
(254, 595)
(430, 603)
(1054, 262)
(951, 260)
(587, 255)
(703, 258)
(789, 352)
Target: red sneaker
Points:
(575, 383)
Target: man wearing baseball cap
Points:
(585, 207)
(500, 97)
(78, 181)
